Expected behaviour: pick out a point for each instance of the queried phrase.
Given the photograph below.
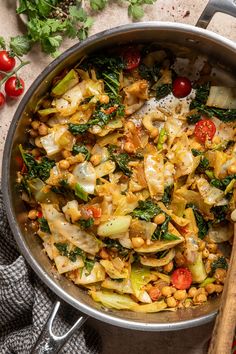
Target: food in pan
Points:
(129, 175)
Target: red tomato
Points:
(7, 63)
(181, 278)
(14, 87)
(204, 130)
(110, 110)
(40, 214)
(2, 99)
(181, 87)
(154, 293)
(97, 212)
(131, 58)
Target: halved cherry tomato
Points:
(154, 293)
(181, 87)
(2, 99)
(181, 278)
(14, 87)
(204, 130)
(96, 211)
(7, 63)
(131, 57)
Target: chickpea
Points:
(37, 142)
(154, 133)
(130, 126)
(96, 159)
(159, 219)
(232, 168)
(168, 267)
(33, 214)
(205, 253)
(129, 147)
(35, 124)
(33, 133)
(104, 254)
(166, 291)
(35, 152)
(218, 288)
(210, 288)
(220, 275)
(104, 99)
(192, 291)
(137, 242)
(171, 302)
(212, 247)
(180, 295)
(64, 164)
(43, 129)
(66, 153)
(200, 298)
(216, 140)
(196, 145)
(187, 303)
(202, 245)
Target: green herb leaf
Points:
(86, 223)
(121, 161)
(98, 5)
(163, 90)
(202, 224)
(43, 224)
(89, 264)
(146, 210)
(219, 263)
(220, 213)
(116, 246)
(222, 183)
(167, 194)
(81, 149)
(77, 129)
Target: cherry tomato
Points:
(181, 87)
(110, 110)
(181, 278)
(131, 57)
(2, 99)
(204, 130)
(7, 63)
(40, 214)
(154, 293)
(14, 87)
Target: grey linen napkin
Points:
(25, 303)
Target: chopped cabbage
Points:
(112, 300)
(115, 226)
(139, 277)
(58, 225)
(64, 265)
(197, 269)
(113, 272)
(154, 173)
(211, 195)
(85, 175)
(155, 262)
(97, 275)
(123, 287)
(105, 168)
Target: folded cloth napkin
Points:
(25, 303)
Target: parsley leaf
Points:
(98, 5)
(20, 45)
(2, 43)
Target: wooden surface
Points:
(224, 329)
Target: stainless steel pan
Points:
(183, 38)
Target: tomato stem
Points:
(11, 73)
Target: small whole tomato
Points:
(181, 278)
(7, 63)
(14, 87)
(204, 130)
(131, 57)
(181, 87)
(2, 99)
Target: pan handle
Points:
(225, 6)
(49, 343)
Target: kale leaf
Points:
(81, 149)
(77, 129)
(163, 90)
(151, 74)
(43, 224)
(220, 213)
(222, 183)
(73, 254)
(193, 118)
(161, 232)
(86, 223)
(146, 210)
(116, 246)
(219, 263)
(35, 168)
(167, 194)
(202, 224)
(203, 165)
